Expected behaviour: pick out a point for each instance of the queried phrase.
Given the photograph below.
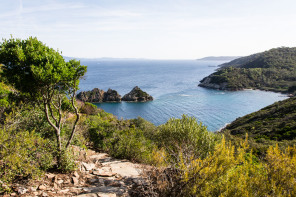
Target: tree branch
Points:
(60, 110)
(77, 117)
(52, 115)
(56, 128)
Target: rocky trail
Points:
(98, 175)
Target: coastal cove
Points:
(174, 86)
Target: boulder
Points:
(137, 95)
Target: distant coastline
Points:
(219, 58)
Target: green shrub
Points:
(67, 161)
(130, 144)
(23, 155)
(187, 137)
(147, 127)
(28, 117)
(89, 109)
(100, 130)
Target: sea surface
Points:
(174, 86)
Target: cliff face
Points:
(206, 82)
(137, 95)
(96, 96)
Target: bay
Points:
(174, 86)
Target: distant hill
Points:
(273, 70)
(220, 58)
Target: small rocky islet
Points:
(98, 96)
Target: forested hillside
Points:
(273, 70)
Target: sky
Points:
(153, 29)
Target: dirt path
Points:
(98, 175)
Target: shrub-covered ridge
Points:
(273, 70)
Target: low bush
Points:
(185, 137)
(120, 138)
(67, 161)
(23, 155)
(88, 108)
(228, 171)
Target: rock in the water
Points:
(207, 83)
(137, 95)
(97, 96)
(111, 96)
(94, 96)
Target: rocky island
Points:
(98, 96)
(137, 95)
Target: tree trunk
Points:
(57, 132)
(76, 121)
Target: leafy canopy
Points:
(42, 74)
(34, 68)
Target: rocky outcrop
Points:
(137, 95)
(206, 82)
(97, 96)
(111, 96)
(94, 96)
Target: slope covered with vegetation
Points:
(273, 70)
(274, 122)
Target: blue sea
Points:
(174, 86)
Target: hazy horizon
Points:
(167, 29)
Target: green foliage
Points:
(148, 128)
(5, 93)
(42, 74)
(268, 126)
(88, 108)
(120, 138)
(32, 67)
(101, 127)
(232, 171)
(273, 70)
(141, 93)
(130, 144)
(67, 161)
(23, 155)
(187, 137)
(66, 104)
(4, 99)
(29, 118)
(138, 139)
